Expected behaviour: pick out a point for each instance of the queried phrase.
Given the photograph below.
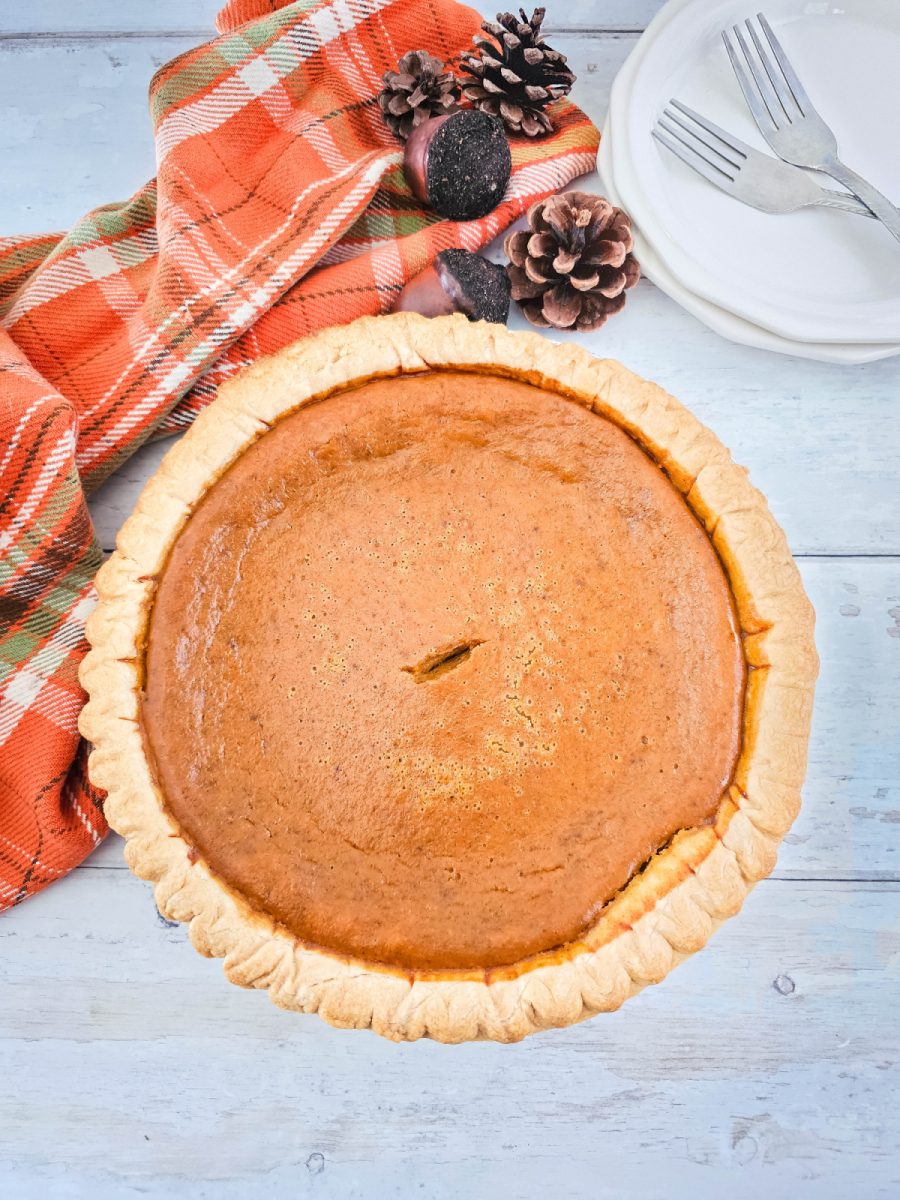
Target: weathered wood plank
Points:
(849, 827)
(74, 121)
(764, 1065)
(102, 17)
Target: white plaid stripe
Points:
(319, 136)
(120, 295)
(549, 175)
(20, 428)
(16, 239)
(344, 251)
(98, 261)
(59, 454)
(132, 251)
(19, 694)
(285, 273)
(277, 104)
(287, 52)
(58, 277)
(82, 817)
(357, 68)
(72, 270)
(67, 635)
(201, 117)
(196, 258)
(222, 281)
(59, 705)
(257, 76)
(387, 271)
(26, 858)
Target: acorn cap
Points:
(458, 281)
(460, 164)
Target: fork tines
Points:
(700, 143)
(770, 85)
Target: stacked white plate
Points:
(818, 283)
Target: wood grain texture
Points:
(768, 1065)
(74, 121)
(99, 18)
(762, 1065)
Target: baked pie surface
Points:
(476, 729)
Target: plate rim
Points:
(789, 324)
(722, 321)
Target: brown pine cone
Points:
(572, 268)
(420, 88)
(517, 75)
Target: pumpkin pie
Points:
(449, 682)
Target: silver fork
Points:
(731, 165)
(787, 119)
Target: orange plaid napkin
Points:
(279, 208)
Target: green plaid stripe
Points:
(202, 69)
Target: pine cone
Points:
(517, 77)
(419, 89)
(572, 268)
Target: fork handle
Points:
(830, 199)
(887, 213)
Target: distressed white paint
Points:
(766, 1066)
(100, 18)
(762, 1066)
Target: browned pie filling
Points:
(436, 666)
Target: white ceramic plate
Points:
(736, 329)
(812, 276)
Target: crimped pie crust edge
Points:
(667, 911)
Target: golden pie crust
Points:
(670, 908)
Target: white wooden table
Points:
(767, 1066)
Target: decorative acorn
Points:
(420, 88)
(458, 281)
(516, 75)
(459, 165)
(571, 269)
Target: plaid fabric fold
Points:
(279, 208)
